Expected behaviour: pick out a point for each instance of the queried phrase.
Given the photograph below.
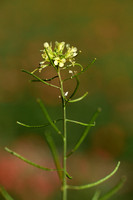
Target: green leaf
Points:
(81, 187)
(81, 67)
(37, 126)
(93, 61)
(48, 117)
(78, 99)
(39, 79)
(48, 79)
(96, 195)
(81, 123)
(81, 70)
(76, 88)
(28, 161)
(68, 176)
(114, 190)
(30, 126)
(5, 194)
(54, 152)
(82, 138)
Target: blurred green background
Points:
(101, 29)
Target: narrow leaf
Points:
(78, 99)
(81, 67)
(81, 123)
(81, 187)
(54, 152)
(30, 126)
(37, 126)
(68, 176)
(28, 161)
(47, 79)
(114, 190)
(5, 194)
(81, 139)
(96, 195)
(76, 88)
(39, 79)
(48, 117)
(93, 61)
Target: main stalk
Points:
(64, 181)
(64, 153)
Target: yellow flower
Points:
(57, 55)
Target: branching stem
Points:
(64, 183)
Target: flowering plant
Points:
(57, 56)
(62, 57)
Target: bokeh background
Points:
(101, 29)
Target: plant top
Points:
(58, 55)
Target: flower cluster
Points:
(58, 57)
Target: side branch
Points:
(47, 79)
(37, 126)
(28, 161)
(85, 133)
(81, 187)
(78, 99)
(93, 61)
(114, 190)
(5, 194)
(39, 79)
(48, 117)
(81, 123)
(76, 88)
(54, 153)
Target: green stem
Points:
(81, 123)
(47, 116)
(54, 152)
(28, 161)
(81, 187)
(64, 183)
(64, 154)
(5, 194)
(114, 190)
(39, 79)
